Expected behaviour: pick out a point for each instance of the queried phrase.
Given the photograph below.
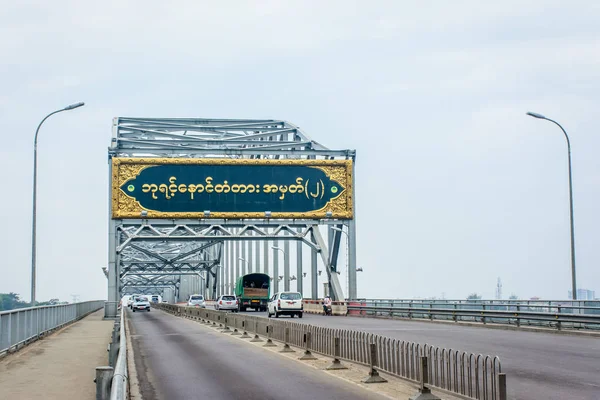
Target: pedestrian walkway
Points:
(60, 366)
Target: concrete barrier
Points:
(339, 308)
(357, 304)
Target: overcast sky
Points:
(455, 185)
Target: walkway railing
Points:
(22, 326)
(457, 372)
(118, 390)
(112, 380)
(549, 314)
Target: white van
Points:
(286, 303)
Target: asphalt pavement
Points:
(176, 358)
(538, 365)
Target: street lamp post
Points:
(278, 248)
(33, 223)
(286, 282)
(573, 276)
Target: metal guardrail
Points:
(22, 326)
(549, 314)
(112, 380)
(469, 375)
(118, 390)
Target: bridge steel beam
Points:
(154, 254)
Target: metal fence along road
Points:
(23, 326)
(582, 315)
(118, 390)
(469, 375)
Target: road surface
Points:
(538, 365)
(177, 358)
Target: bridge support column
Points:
(265, 267)
(257, 255)
(237, 261)
(286, 265)
(231, 269)
(314, 275)
(300, 280)
(352, 260)
(113, 272)
(275, 268)
(244, 261)
(250, 258)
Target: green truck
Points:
(253, 291)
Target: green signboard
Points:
(231, 188)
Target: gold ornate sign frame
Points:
(127, 207)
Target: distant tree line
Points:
(474, 296)
(12, 301)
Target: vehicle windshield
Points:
(228, 298)
(197, 298)
(142, 299)
(290, 296)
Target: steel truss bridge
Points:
(162, 256)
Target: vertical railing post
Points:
(269, 340)
(336, 364)
(373, 374)
(103, 379)
(307, 345)
(483, 313)
(245, 329)
(454, 313)
(424, 392)
(226, 329)
(235, 329)
(256, 338)
(286, 341)
(501, 386)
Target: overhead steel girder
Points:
(171, 267)
(142, 290)
(215, 234)
(155, 137)
(167, 271)
(147, 284)
(162, 273)
(134, 289)
(149, 278)
(193, 261)
(181, 257)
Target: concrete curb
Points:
(134, 384)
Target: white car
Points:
(196, 300)
(140, 304)
(227, 302)
(286, 303)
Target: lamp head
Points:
(76, 105)
(535, 115)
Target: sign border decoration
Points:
(127, 207)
